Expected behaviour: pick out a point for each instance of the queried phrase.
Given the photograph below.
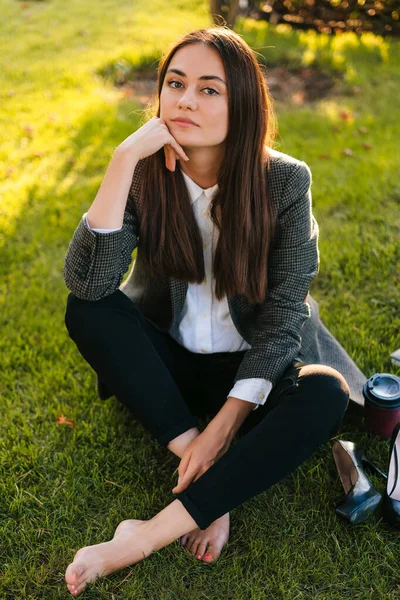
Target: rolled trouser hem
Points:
(176, 430)
(193, 510)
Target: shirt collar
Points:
(195, 190)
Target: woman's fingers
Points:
(170, 157)
(179, 150)
(186, 475)
(192, 474)
(184, 482)
(183, 465)
(173, 152)
(188, 478)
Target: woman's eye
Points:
(215, 93)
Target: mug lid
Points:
(384, 386)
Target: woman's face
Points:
(204, 101)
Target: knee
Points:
(77, 312)
(92, 316)
(328, 388)
(85, 315)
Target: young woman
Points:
(215, 317)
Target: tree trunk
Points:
(228, 15)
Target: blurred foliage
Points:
(331, 16)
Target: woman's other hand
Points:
(149, 138)
(199, 456)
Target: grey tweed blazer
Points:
(284, 328)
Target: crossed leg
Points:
(315, 402)
(133, 541)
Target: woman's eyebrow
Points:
(206, 77)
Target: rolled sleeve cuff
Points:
(254, 390)
(99, 230)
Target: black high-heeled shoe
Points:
(391, 498)
(362, 498)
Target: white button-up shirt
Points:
(205, 324)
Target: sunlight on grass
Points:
(36, 164)
(62, 89)
(311, 48)
(320, 49)
(376, 45)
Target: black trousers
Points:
(168, 388)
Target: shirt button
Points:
(205, 245)
(205, 213)
(204, 315)
(203, 350)
(261, 396)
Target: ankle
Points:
(179, 444)
(147, 539)
(167, 526)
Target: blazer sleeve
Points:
(95, 262)
(292, 265)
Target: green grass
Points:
(62, 487)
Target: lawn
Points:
(63, 486)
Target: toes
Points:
(213, 552)
(81, 575)
(71, 588)
(80, 588)
(76, 590)
(74, 573)
(192, 546)
(202, 547)
(195, 545)
(70, 574)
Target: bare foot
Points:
(128, 546)
(207, 545)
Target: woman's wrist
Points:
(231, 416)
(127, 152)
(108, 207)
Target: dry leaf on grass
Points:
(62, 420)
(348, 152)
(345, 115)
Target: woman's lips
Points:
(184, 124)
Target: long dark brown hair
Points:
(170, 242)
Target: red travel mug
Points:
(382, 403)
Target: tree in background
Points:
(227, 9)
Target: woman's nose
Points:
(188, 99)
